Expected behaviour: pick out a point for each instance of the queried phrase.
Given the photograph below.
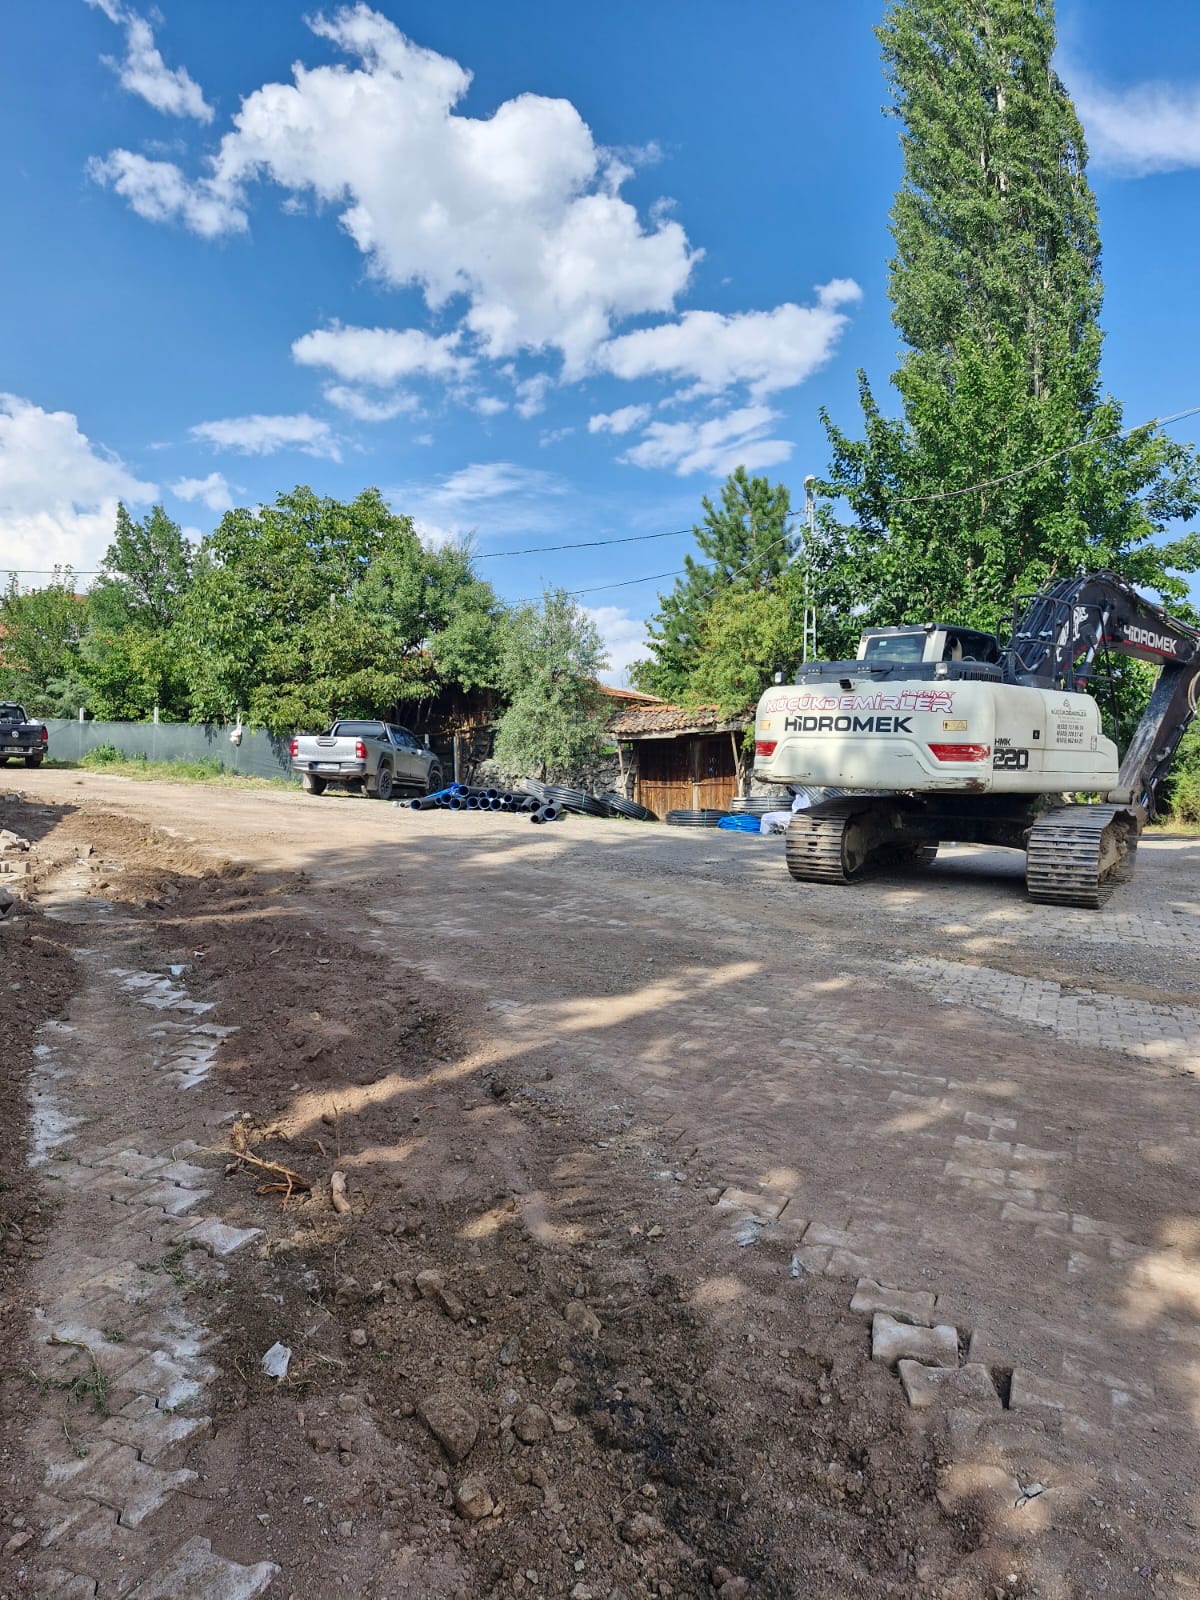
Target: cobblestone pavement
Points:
(123, 1359)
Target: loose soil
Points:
(656, 1411)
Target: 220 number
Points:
(1012, 760)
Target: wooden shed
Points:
(680, 758)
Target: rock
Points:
(450, 1423)
(451, 1305)
(473, 1499)
(893, 1341)
(509, 1351)
(561, 1423)
(358, 1338)
(733, 1589)
(531, 1423)
(641, 1528)
(429, 1283)
(582, 1319)
(346, 1291)
(17, 1542)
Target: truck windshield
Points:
(10, 713)
(358, 728)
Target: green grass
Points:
(198, 769)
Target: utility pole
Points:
(809, 652)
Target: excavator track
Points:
(817, 844)
(841, 840)
(1077, 855)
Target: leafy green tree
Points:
(747, 544)
(996, 292)
(41, 631)
(550, 658)
(131, 657)
(313, 608)
(744, 636)
(144, 575)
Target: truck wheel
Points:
(433, 781)
(311, 784)
(33, 761)
(383, 784)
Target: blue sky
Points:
(540, 272)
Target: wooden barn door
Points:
(716, 772)
(664, 775)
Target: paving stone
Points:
(59, 1584)
(970, 1386)
(218, 1238)
(171, 1198)
(133, 1163)
(846, 1264)
(185, 1173)
(1047, 1219)
(976, 1174)
(194, 1572)
(762, 1205)
(171, 1383)
(823, 1233)
(893, 1341)
(906, 1305)
(1028, 1393)
(133, 1488)
(66, 1360)
(160, 1437)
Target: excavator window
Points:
(895, 646)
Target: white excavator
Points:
(937, 732)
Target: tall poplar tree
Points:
(996, 291)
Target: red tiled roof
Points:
(643, 722)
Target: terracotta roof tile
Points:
(645, 721)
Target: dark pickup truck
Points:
(20, 737)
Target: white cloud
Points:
(144, 72)
(109, 7)
(381, 355)
(158, 191)
(213, 491)
(1150, 127)
(492, 497)
(491, 480)
(531, 395)
(624, 639)
(553, 435)
(58, 491)
(766, 350)
(364, 408)
(488, 405)
(623, 420)
(715, 446)
(263, 436)
(520, 211)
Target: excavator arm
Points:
(1062, 634)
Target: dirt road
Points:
(653, 1117)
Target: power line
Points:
(625, 583)
(1033, 466)
(582, 544)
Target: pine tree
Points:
(748, 546)
(996, 292)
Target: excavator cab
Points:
(930, 642)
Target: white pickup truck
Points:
(371, 758)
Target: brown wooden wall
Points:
(685, 774)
